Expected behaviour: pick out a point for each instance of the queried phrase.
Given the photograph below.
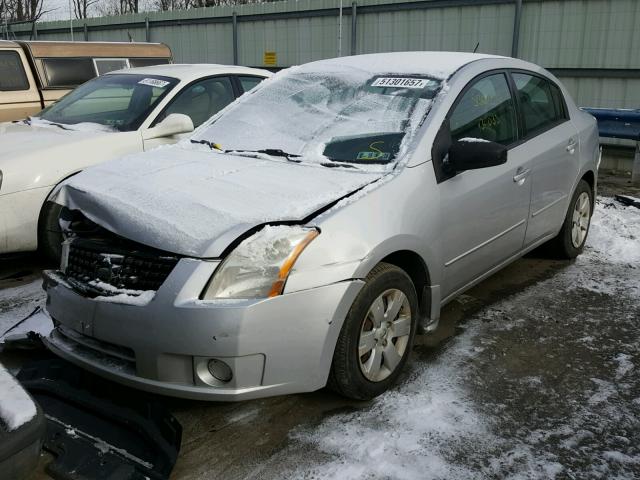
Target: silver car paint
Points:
(461, 231)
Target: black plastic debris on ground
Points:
(99, 430)
(629, 201)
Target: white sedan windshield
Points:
(346, 117)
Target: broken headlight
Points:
(260, 265)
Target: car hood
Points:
(20, 139)
(196, 202)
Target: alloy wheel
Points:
(580, 219)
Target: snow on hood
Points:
(18, 139)
(196, 202)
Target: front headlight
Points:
(260, 265)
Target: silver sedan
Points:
(304, 235)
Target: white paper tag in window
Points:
(400, 82)
(154, 82)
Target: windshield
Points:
(119, 101)
(349, 116)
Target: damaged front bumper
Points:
(273, 346)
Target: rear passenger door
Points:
(551, 141)
(484, 211)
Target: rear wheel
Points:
(570, 241)
(377, 335)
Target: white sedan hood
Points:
(196, 202)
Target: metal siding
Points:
(554, 34)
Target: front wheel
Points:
(570, 241)
(377, 335)
(49, 232)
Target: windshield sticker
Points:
(400, 82)
(154, 82)
(374, 153)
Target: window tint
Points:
(540, 107)
(12, 75)
(68, 72)
(147, 62)
(249, 82)
(106, 65)
(485, 111)
(202, 100)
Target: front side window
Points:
(68, 72)
(12, 74)
(485, 111)
(201, 100)
(540, 109)
(332, 118)
(119, 101)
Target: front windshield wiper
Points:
(338, 165)
(211, 145)
(273, 152)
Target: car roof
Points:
(435, 64)
(7, 43)
(189, 72)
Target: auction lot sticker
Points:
(400, 82)
(154, 82)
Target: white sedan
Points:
(124, 112)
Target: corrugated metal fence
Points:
(593, 45)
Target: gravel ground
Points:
(533, 374)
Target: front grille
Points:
(108, 269)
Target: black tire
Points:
(346, 376)
(562, 246)
(49, 232)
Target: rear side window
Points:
(68, 72)
(147, 62)
(540, 102)
(12, 74)
(485, 111)
(106, 65)
(249, 82)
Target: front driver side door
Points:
(484, 211)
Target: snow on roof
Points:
(436, 64)
(16, 406)
(191, 71)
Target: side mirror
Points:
(474, 153)
(174, 124)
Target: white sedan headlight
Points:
(260, 265)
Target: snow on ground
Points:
(541, 385)
(16, 406)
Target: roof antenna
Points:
(476, 49)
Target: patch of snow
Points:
(76, 127)
(16, 406)
(625, 365)
(122, 295)
(473, 140)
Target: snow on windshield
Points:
(301, 112)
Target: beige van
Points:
(36, 74)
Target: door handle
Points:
(571, 146)
(521, 175)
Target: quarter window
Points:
(202, 99)
(485, 111)
(12, 74)
(250, 82)
(106, 65)
(540, 102)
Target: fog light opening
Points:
(220, 370)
